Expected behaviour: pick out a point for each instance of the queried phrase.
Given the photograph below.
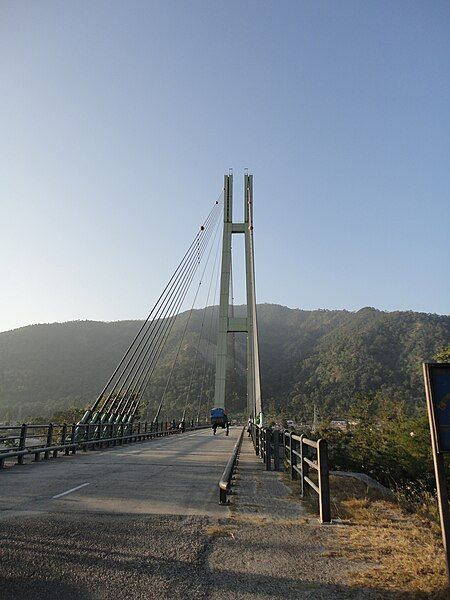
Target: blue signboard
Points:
(439, 382)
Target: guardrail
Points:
(301, 455)
(225, 480)
(24, 440)
(296, 450)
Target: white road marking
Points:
(71, 490)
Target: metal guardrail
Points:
(225, 480)
(50, 439)
(301, 455)
(296, 450)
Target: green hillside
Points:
(320, 356)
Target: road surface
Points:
(125, 522)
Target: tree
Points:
(443, 354)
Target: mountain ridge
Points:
(323, 357)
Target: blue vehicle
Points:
(219, 418)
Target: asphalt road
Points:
(175, 475)
(128, 522)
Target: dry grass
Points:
(266, 521)
(218, 531)
(387, 547)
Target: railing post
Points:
(55, 452)
(64, 438)
(303, 467)
(87, 429)
(276, 449)
(292, 458)
(223, 496)
(73, 435)
(256, 430)
(324, 482)
(22, 442)
(49, 440)
(261, 443)
(99, 435)
(267, 449)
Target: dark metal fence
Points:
(227, 475)
(301, 455)
(19, 441)
(305, 460)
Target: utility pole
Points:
(228, 323)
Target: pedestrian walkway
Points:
(261, 493)
(271, 547)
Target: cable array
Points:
(205, 366)
(185, 331)
(120, 398)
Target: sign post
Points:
(437, 388)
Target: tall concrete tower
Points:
(230, 324)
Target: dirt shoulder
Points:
(272, 545)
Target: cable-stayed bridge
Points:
(139, 499)
(117, 415)
(134, 501)
(121, 397)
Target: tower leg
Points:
(222, 333)
(253, 375)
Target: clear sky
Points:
(118, 120)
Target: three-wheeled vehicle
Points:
(219, 419)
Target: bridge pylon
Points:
(228, 323)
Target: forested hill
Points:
(321, 356)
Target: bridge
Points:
(127, 504)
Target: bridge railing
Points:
(303, 455)
(48, 440)
(227, 475)
(305, 459)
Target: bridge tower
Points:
(228, 323)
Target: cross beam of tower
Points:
(227, 322)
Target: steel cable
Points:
(189, 258)
(145, 374)
(207, 348)
(116, 370)
(188, 395)
(185, 328)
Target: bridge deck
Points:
(174, 475)
(136, 529)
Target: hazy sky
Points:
(118, 120)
